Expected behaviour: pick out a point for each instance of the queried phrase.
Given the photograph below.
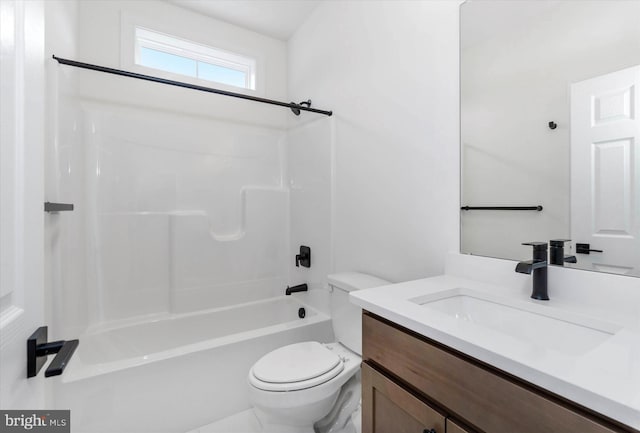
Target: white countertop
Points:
(605, 378)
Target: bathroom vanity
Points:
(455, 354)
(413, 384)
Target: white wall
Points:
(389, 72)
(518, 61)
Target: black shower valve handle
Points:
(304, 258)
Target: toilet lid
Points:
(296, 386)
(296, 363)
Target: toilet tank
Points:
(346, 317)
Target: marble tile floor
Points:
(242, 422)
(247, 422)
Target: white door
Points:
(605, 159)
(21, 197)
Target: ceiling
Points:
(275, 18)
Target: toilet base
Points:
(299, 419)
(345, 416)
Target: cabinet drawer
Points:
(453, 427)
(480, 396)
(389, 408)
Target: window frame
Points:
(143, 37)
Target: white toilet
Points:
(293, 387)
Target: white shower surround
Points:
(174, 212)
(181, 196)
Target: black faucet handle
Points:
(537, 245)
(558, 242)
(539, 250)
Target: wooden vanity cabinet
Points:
(413, 384)
(388, 407)
(453, 427)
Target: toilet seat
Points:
(295, 367)
(296, 386)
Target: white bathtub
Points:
(179, 372)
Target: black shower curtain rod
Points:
(296, 108)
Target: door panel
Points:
(21, 197)
(605, 190)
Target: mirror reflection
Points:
(549, 124)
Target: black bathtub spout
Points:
(298, 288)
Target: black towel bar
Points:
(536, 208)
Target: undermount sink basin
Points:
(541, 326)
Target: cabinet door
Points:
(389, 408)
(453, 427)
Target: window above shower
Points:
(178, 56)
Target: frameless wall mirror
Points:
(550, 129)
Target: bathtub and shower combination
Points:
(172, 268)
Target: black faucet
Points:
(556, 253)
(537, 267)
(295, 289)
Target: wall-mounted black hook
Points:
(553, 125)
